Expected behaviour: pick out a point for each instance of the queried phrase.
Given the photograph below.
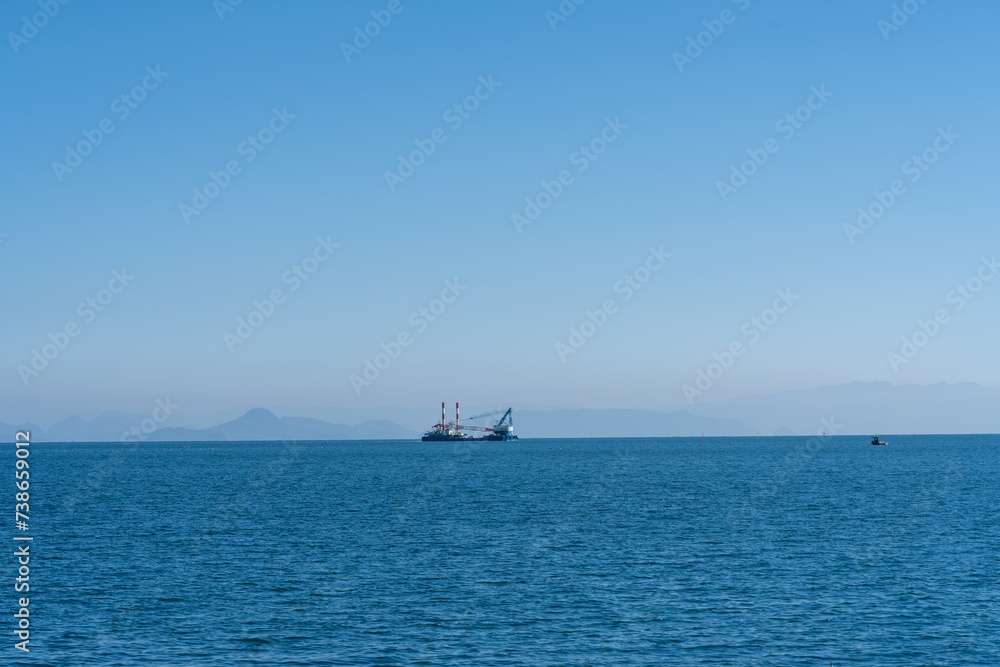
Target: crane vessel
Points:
(451, 431)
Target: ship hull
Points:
(433, 437)
(430, 437)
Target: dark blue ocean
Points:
(749, 551)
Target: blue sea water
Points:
(727, 551)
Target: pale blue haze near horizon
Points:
(323, 176)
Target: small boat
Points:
(876, 441)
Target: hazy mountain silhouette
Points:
(11, 429)
(622, 424)
(851, 408)
(109, 426)
(261, 424)
(257, 424)
(868, 408)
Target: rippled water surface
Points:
(769, 551)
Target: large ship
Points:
(455, 431)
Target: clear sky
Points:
(324, 122)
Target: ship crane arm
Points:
(506, 416)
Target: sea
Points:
(641, 551)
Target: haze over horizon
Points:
(676, 276)
(847, 409)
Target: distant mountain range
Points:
(849, 409)
(867, 408)
(622, 424)
(258, 424)
(261, 424)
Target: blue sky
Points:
(323, 176)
